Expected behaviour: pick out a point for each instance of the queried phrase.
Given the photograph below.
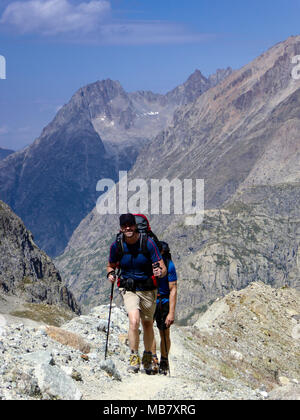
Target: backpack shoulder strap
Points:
(120, 245)
(144, 243)
(167, 259)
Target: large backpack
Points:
(145, 231)
(167, 257)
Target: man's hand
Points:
(112, 276)
(157, 270)
(169, 320)
(111, 272)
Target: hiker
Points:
(165, 311)
(140, 264)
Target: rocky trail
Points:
(246, 346)
(174, 386)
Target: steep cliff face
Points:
(25, 271)
(232, 129)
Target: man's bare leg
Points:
(133, 333)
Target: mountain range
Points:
(51, 184)
(242, 137)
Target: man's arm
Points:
(156, 258)
(112, 264)
(172, 303)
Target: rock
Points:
(296, 332)
(68, 338)
(207, 320)
(55, 384)
(73, 373)
(123, 338)
(284, 380)
(102, 326)
(76, 376)
(39, 357)
(109, 367)
(287, 392)
(236, 355)
(2, 325)
(264, 394)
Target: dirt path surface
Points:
(177, 385)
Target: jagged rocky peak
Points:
(219, 76)
(101, 92)
(196, 77)
(107, 102)
(196, 85)
(27, 272)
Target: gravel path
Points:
(244, 347)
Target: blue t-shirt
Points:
(134, 264)
(163, 288)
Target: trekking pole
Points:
(162, 320)
(110, 306)
(165, 340)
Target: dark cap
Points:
(127, 219)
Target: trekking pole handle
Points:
(155, 266)
(112, 273)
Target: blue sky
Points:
(53, 47)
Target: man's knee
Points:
(134, 321)
(147, 324)
(165, 333)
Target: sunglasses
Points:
(127, 226)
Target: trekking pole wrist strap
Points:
(111, 273)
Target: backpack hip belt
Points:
(130, 285)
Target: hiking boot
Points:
(164, 366)
(134, 363)
(147, 362)
(155, 365)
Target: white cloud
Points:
(148, 32)
(90, 22)
(53, 17)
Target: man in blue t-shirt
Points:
(165, 311)
(137, 286)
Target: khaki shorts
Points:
(144, 301)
